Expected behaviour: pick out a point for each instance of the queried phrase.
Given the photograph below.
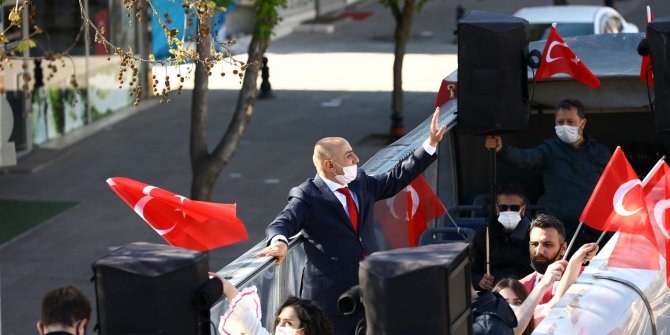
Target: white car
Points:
(574, 21)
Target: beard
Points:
(541, 265)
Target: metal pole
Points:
(493, 178)
(572, 241)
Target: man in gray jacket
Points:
(571, 165)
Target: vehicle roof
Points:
(548, 14)
(613, 58)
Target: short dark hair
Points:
(544, 221)
(312, 319)
(65, 306)
(512, 189)
(570, 103)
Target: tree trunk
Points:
(403, 30)
(207, 167)
(201, 187)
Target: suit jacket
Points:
(332, 247)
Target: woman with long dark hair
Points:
(294, 317)
(515, 294)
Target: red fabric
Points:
(657, 195)
(645, 67)
(617, 203)
(448, 90)
(422, 206)
(357, 16)
(557, 57)
(656, 190)
(390, 215)
(182, 222)
(529, 283)
(351, 207)
(633, 250)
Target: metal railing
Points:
(275, 284)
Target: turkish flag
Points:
(617, 203)
(423, 205)
(403, 217)
(645, 68)
(633, 250)
(557, 57)
(182, 222)
(391, 215)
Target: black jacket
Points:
(492, 315)
(509, 252)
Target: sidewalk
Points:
(325, 85)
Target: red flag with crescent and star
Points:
(645, 68)
(617, 202)
(403, 217)
(633, 250)
(423, 205)
(182, 222)
(557, 57)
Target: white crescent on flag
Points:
(415, 199)
(620, 193)
(659, 210)
(551, 46)
(139, 209)
(390, 204)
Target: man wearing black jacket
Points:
(509, 239)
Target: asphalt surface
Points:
(152, 146)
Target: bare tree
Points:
(206, 166)
(403, 13)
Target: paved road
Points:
(151, 146)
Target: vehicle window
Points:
(564, 29)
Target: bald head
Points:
(326, 149)
(331, 154)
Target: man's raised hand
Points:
(436, 132)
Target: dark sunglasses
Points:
(504, 208)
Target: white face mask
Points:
(349, 175)
(509, 219)
(568, 134)
(284, 330)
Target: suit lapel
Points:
(333, 201)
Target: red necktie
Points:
(351, 206)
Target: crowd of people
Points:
(513, 289)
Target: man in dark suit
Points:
(334, 211)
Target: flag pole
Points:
(572, 241)
(644, 182)
(493, 209)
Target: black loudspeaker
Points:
(145, 288)
(424, 290)
(658, 34)
(492, 74)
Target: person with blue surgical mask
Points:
(571, 164)
(508, 238)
